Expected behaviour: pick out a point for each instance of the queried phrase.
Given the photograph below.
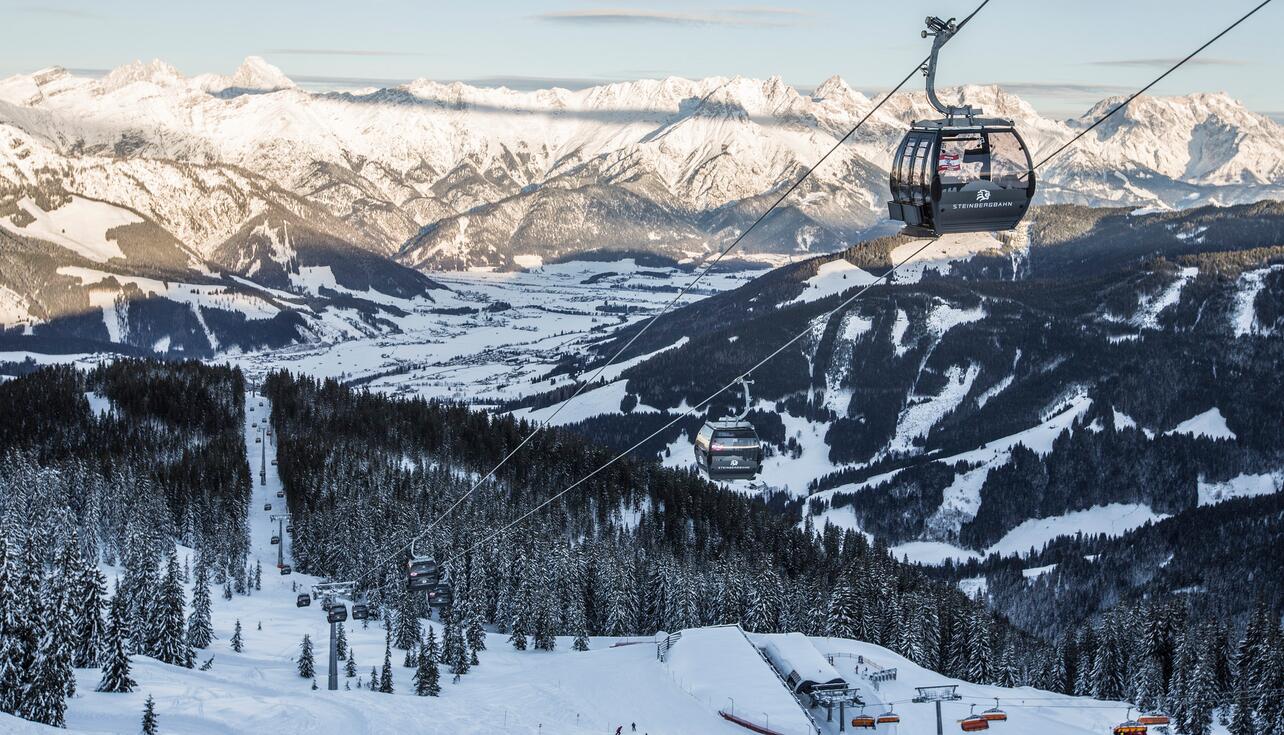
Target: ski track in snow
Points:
(1244, 313)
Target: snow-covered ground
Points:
(1209, 424)
(481, 357)
(1240, 486)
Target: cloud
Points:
(1164, 63)
(339, 52)
(747, 16)
(76, 13)
(1064, 89)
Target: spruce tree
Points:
(150, 726)
(407, 633)
(374, 679)
(350, 666)
(238, 644)
(385, 676)
(306, 665)
(341, 643)
(89, 617)
(427, 676)
(200, 632)
(168, 640)
(115, 658)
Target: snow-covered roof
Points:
(798, 661)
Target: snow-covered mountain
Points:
(450, 175)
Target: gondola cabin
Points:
(275, 539)
(285, 569)
(360, 611)
(336, 613)
(422, 573)
(303, 601)
(1156, 718)
(974, 723)
(441, 595)
(728, 450)
(955, 176)
(863, 721)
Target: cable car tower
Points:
(937, 694)
(963, 172)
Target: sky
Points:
(1060, 56)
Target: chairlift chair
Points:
(1154, 718)
(863, 720)
(961, 173)
(1130, 726)
(729, 449)
(994, 714)
(889, 717)
(974, 722)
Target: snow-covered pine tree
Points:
(258, 575)
(20, 645)
(840, 621)
(427, 675)
(115, 656)
(1108, 666)
(341, 643)
(350, 665)
(374, 684)
(980, 655)
(1242, 718)
(407, 631)
(200, 632)
(151, 725)
(385, 676)
(518, 635)
(44, 699)
(764, 602)
(545, 639)
(1201, 688)
(237, 642)
(168, 640)
(306, 664)
(92, 587)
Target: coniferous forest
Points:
(634, 550)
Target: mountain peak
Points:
(155, 71)
(255, 73)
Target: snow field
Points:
(81, 226)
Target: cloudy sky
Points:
(1061, 56)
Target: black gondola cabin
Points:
(973, 176)
(728, 450)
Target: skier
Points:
(619, 730)
(634, 726)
